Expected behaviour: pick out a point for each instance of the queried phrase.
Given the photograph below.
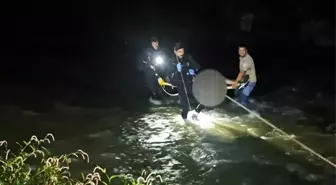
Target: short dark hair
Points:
(154, 39)
(178, 45)
(243, 46)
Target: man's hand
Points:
(179, 67)
(161, 82)
(229, 82)
(234, 85)
(192, 72)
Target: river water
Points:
(228, 145)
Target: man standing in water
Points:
(247, 70)
(155, 60)
(185, 69)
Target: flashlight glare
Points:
(204, 121)
(159, 60)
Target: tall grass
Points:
(33, 164)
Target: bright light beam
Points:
(204, 121)
(159, 60)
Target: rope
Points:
(284, 133)
(164, 90)
(185, 88)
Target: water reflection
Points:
(234, 150)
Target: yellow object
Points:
(161, 82)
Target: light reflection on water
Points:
(234, 150)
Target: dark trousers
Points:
(183, 96)
(153, 85)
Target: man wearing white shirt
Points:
(247, 71)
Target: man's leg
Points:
(159, 92)
(243, 99)
(238, 93)
(183, 101)
(152, 85)
(199, 107)
(149, 80)
(246, 93)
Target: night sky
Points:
(92, 46)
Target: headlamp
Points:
(158, 60)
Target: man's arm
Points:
(245, 66)
(229, 82)
(144, 63)
(240, 76)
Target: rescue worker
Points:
(185, 69)
(155, 60)
(247, 73)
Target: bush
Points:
(33, 164)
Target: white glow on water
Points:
(204, 121)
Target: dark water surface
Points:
(228, 146)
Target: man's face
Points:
(242, 51)
(155, 45)
(179, 53)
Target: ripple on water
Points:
(166, 140)
(160, 142)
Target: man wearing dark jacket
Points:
(155, 62)
(185, 69)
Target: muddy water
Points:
(227, 146)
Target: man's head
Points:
(179, 49)
(242, 51)
(155, 43)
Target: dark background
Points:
(66, 50)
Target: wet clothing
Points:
(185, 69)
(246, 64)
(148, 59)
